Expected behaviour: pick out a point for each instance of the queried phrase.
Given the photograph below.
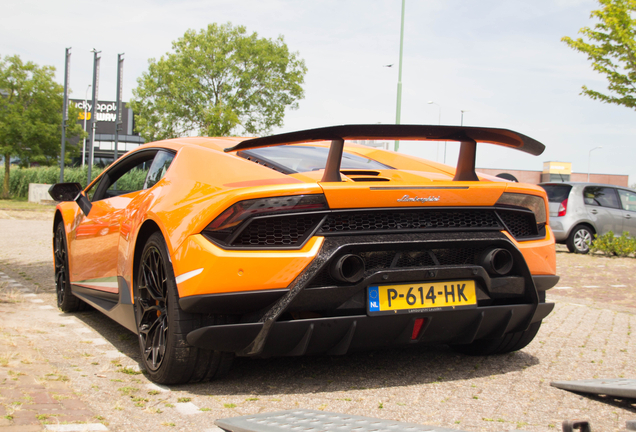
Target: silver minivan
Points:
(578, 211)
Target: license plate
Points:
(420, 297)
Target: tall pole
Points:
(589, 157)
(439, 122)
(96, 59)
(84, 142)
(67, 71)
(120, 78)
(399, 86)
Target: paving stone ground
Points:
(81, 371)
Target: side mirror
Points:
(71, 192)
(65, 191)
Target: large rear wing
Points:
(467, 136)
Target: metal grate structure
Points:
(277, 231)
(409, 220)
(385, 259)
(291, 230)
(520, 224)
(318, 421)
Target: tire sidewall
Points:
(160, 374)
(65, 305)
(575, 231)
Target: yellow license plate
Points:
(416, 297)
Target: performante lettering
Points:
(407, 198)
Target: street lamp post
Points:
(589, 157)
(439, 122)
(399, 87)
(85, 110)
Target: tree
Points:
(218, 82)
(30, 113)
(612, 50)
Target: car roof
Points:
(584, 184)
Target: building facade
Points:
(558, 172)
(104, 145)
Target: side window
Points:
(131, 181)
(601, 196)
(158, 168)
(90, 193)
(126, 176)
(628, 199)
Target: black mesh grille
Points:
(410, 220)
(520, 224)
(380, 260)
(293, 229)
(277, 231)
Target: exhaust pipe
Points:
(348, 268)
(497, 261)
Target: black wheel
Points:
(580, 239)
(163, 326)
(510, 342)
(66, 301)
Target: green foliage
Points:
(611, 47)
(31, 114)
(611, 245)
(133, 180)
(21, 177)
(217, 82)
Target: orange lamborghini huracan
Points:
(301, 243)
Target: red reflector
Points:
(563, 208)
(417, 327)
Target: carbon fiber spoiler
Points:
(467, 136)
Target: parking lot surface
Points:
(80, 371)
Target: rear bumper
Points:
(315, 316)
(339, 335)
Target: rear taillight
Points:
(225, 225)
(563, 208)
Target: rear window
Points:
(309, 158)
(557, 193)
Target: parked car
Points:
(580, 211)
(298, 244)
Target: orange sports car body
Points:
(301, 243)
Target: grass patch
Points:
(128, 390)
(128, 371)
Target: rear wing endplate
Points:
(466, 135)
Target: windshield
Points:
(557, 193)
(309, 158)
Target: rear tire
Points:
(580, 239)
(66, 301)
(163, 326)
(508, 343)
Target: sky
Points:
(500, 61)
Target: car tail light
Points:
(563, 208)
(534, 203)
(224, 225)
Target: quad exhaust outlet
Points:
(348, 268)
(497, 261)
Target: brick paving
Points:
(79, 370)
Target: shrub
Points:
(611, 245)
(19, 178)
